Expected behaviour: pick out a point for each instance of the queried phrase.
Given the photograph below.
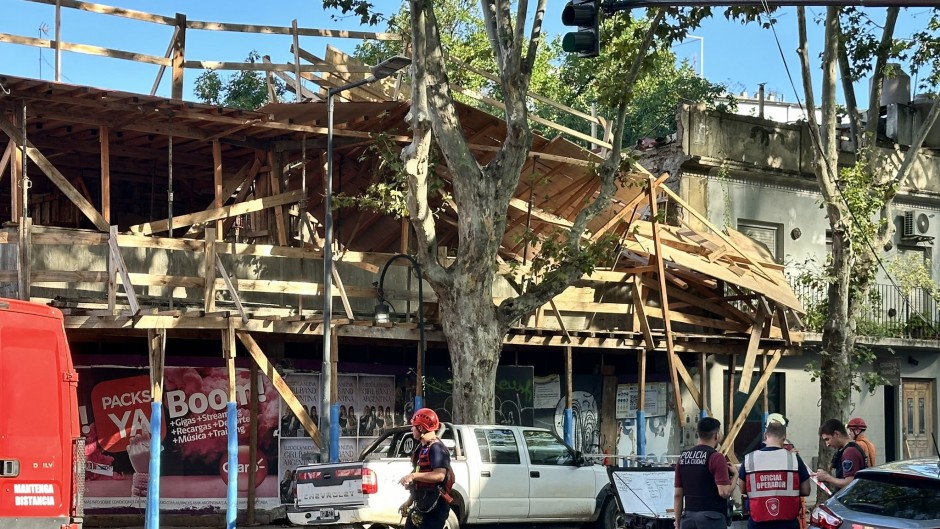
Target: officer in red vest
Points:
(774, 479)
(426, 507)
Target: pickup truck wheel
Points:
(610, 517)
(452, 521)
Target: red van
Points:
(42, 451)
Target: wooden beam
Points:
(178, 56)
(219, 198)
(728, 445)
(639, 307)
(220, 268)
(83, 48)
(115, 251)
(249, 206)
(275, 176)
(108, 10)
(54, 175)
(208, 271)
(627, 208)
(751, 354)
(280, 385)
(156, 344)
(24, 249)
(243, 192)
(757, 266)
(105, 173)
(5, 159)
(673, 360)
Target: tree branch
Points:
(881, 60)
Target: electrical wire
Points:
(848, 207)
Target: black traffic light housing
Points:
(585, 14)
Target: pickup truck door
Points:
(558, 487)
(503, 480)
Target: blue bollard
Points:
(569, 427)
(640, 433)
(231, 500)
(334, 433)
(153, 484)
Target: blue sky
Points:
(740, 56)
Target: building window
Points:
(769, 234)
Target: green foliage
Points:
(652, 100)
(388, 192)
(360, 8)
(925, 58)
(245, 89)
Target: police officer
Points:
(426, 508)
(849, 457)
(704, 481)
(775, 479)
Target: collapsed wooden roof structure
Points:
(140, 214)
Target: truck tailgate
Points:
(326, 486)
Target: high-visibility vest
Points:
(772, 480)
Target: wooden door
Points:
(917, 414)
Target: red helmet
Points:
(857, 423)
(427, 419)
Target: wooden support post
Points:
(112, 279)
(765, 401)
(298, 80)
(254, 390)
(275, 174)
(639, 315)
(280, 385)
(156, 340)
(664, 301)
(703, 381)
(228, 350)
(729, 403)
(16, 174)
(104, 140)
(749, 404)
(208, 270)
(24, 247)
(608, 416)
(178, 56)
(750, 356)
(217, 180)
(569, 383)
(115, 252)
(58, 41)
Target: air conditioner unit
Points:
(915, 225)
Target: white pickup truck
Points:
(504, 474)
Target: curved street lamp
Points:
(329, 447)
(382, 316)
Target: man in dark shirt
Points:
(849, 458)
(704, 481)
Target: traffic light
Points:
(585, 14)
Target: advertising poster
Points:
(365, 406)
(628, 398)
(114, 407)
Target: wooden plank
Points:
(561, 322)
(85, 49)
(673, 360)
(696, 320)
(156, 344)
(728, 443)
(288, 396)
(231, 288)
(219, 198)
(105, 173)
(248, 206)
(698, 301)
(178, 56)
(243, 191)
(551, 124)
(108, 10)
(115, 252)
(750, 355)
(5, 159)
(640, 312)
(757, 267)
(162, 69)
(784, 326)
(208, 271)
(23, 251)
(338, 281)
(638, 200)
(286, 30)
(540, 213)
(275, 176)
(54, 175)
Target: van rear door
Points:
(38, 419)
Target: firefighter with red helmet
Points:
(428, 505)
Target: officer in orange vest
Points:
(774, 479)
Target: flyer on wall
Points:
(114, 407)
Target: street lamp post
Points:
(329, 447)
(381, 312)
